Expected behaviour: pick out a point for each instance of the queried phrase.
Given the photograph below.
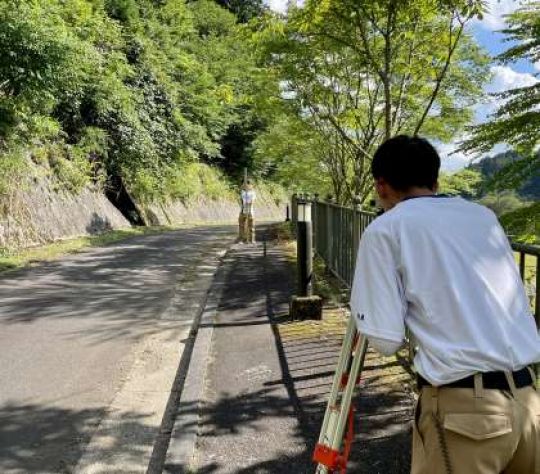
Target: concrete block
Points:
(306, 307)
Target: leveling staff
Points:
(443, 267)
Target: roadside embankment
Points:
(202, 210)
(37, 213)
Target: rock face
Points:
(39, 214)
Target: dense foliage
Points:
(493, 167)
(174, 98)
(517, 208)
(466, 183)
(128, 93)
(524, 223)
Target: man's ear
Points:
(381, 186)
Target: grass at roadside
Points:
(15, 259)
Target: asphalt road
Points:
(72, 331)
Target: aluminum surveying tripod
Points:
(334, 446)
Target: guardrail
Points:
(337, 231)
(530, 274)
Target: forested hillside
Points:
(490, 166)
(149, 100)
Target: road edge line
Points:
(174, 450)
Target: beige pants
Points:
(246, 228)
(486, 431)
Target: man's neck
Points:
(416, 192)
(409, 194)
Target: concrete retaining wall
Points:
(205, 210)
(39, 214)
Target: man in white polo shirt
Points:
(443, 267)
(246, 222)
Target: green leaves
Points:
(360, 71)
(465, 183)
(137, 89)
(524, 223)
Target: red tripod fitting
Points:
(334, 460)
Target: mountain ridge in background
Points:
(491, 165)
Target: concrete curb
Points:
(180, 457)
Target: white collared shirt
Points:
(248, 198)
(444, 268)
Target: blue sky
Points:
(504, 77)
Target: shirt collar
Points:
(427, 196)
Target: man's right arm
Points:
(384, 346)
(377, 298)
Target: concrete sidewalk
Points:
(266, 382)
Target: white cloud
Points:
(536, 65)
(496, 9)
(505, 78)
(450, 161)
(278, 5)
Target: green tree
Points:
(291, 153)
(245, 10)
(523, 224)
(127, 93)
(517, 121)
(361, 71)
(465, 183)
(40, 60)
(503, 202)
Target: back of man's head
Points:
(405, 162)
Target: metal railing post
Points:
(329, 234)
(294, 210)
(315, 219)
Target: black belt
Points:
(490, 380)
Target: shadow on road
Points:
(42, 439)
(68, 330)
(123, 285)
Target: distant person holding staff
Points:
(245, 220)
(443, 267)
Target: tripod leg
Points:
(328, 453)
(341, 369)
(356, 369)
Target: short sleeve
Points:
(377, 298)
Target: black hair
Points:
(405, 162)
